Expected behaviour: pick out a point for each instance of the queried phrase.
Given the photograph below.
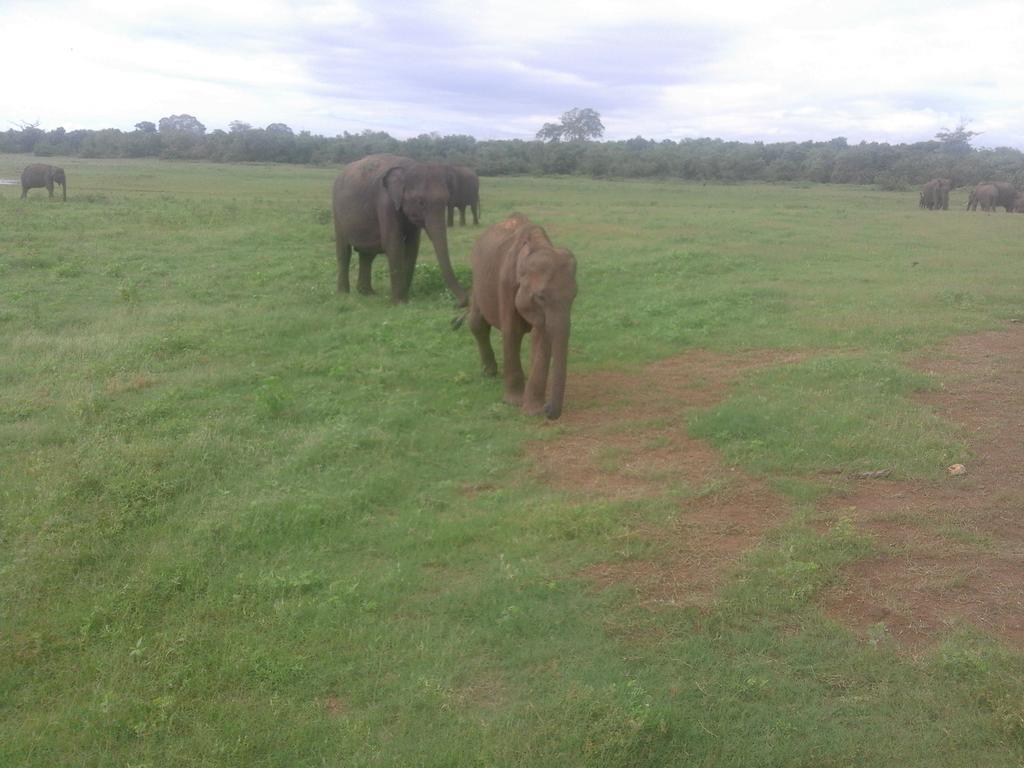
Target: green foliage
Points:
(576, 125)
(247, 521)
(561, 148)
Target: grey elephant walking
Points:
(43, 175)
(522, 284)
(381, 205)
(991, 195)
(466, 193)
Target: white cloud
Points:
(786, 69)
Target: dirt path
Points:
(625, 440)
(952, 550)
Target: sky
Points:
(774, 70)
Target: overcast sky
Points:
(775, 70)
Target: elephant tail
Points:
(458, 320)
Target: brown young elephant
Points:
(466, 193)
(523, 283)
(381, 204)
(43, 175)
(935, 194)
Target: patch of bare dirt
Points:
(953, 550)
(623, 438)
(334, 706)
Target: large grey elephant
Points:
(991, 195)
(523, 283)
(381, 204)
(466, 193)
(43, 175)
(984, 195)
(935, 194)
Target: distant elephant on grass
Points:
(994, 194)
(984, 196)
(523, 283)
(935, 194)
(381, 204)
(43, 175)
(466, 192)
(1018, 203)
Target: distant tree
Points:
(145, 127)
(280, 128)
(957, 140)
(576, 125)
(237, 126)
(551, 132)
(182, 124)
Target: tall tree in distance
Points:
(957, 140)
(182, 124)
(576, 125)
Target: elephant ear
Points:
(394, 184)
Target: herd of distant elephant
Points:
(989, 195)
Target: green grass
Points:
(829, 413)
(245, 521)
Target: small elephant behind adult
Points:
(522, 283)
(935, 194)
(43, 175)
(465, 192)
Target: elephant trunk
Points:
(437, 231)
(559, 335)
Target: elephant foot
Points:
(532, 408)
(366, 290)
(513, 398)
(490, 371)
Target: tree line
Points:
(836, 161)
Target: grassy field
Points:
(247, 522)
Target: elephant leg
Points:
(394, 247)
(344, 252)
(481, 330)
(511, 341)
(412, 252)
(537, 384)
(462, 215)
(24, 192)
(476, 214)
(49, 188)
(451, 215)
(363, 283)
